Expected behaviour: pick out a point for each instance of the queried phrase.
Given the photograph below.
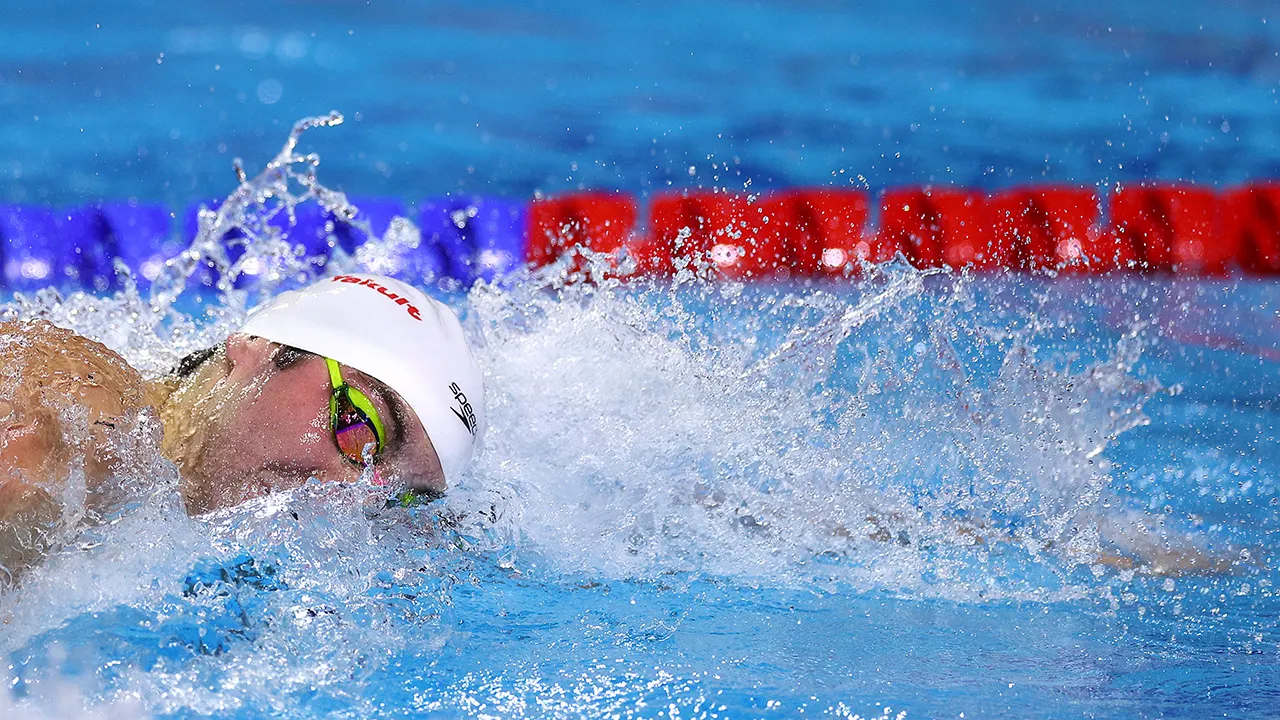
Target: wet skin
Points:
(255, 419)
(252, 419)
(51, 378)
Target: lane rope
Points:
(1163, 228)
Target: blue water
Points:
(653, 527)
(153, 99)
(699, 500)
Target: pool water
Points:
(714, 500)
(147, 99)
(909, 493)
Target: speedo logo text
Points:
(463, 411)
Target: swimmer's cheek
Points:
(212, 489)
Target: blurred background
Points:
(125, 99)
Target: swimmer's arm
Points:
(35, 479)
(44, 371)
(1134, 542)
(1139, 542)
(1155, 545)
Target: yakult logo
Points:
(413, 311)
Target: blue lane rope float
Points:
(32, 256)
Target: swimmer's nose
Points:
(248, 350)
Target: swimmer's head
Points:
(398, 335)
(354, 356)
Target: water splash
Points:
(911, 432)
(790, 437)
(253, 224)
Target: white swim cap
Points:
(395, 333)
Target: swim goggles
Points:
(354, 419)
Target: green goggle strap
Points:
(357, 398)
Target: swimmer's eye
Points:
(354, 419)
(286, 357)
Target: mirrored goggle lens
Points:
(354, 437)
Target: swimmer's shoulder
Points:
(38, 356)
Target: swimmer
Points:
(355, 376)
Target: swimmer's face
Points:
(258, 421)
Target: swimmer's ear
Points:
(248, 351)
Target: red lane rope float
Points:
(1160, 228)
(791, 233)
(1251, 225)
(824, 231)
(1172, 228)
(1046, 228)
(598, 221)
(938, 226)
(723, 228)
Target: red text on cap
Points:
(363, 282)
